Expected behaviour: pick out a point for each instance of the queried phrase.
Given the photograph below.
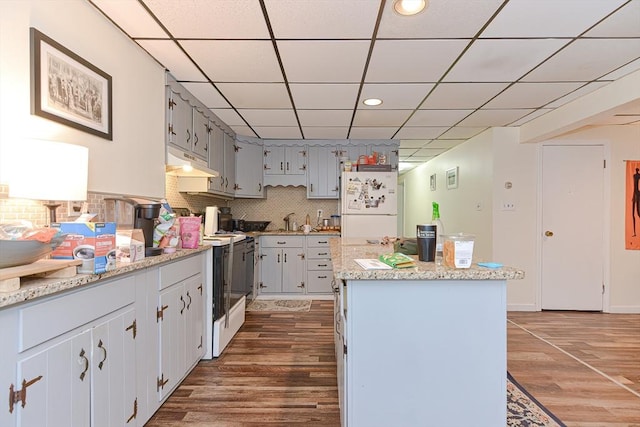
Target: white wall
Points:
(133, 163)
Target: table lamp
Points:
(48, 170)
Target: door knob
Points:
(548, 233)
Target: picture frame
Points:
(451, 177)
(432, 182)
(67, 89)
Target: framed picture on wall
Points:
(452, 178)
(432, 182)
(67, 89)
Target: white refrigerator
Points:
(369, 205)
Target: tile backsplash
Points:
(279, 202)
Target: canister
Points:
(457, 250)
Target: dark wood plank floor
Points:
(280, 371)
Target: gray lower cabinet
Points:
(319, 267)
(106, 353)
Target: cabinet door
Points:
(229, 165)
(295, 160)
(249, 168)
(172, 339)
(60, 385)
(179, 119)
(195, 319)
(113, 372)
(270, 270)
(216, 159)
(323, 165)
(274, 162)
(293, 270)
(200, 140)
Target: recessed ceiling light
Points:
(372, 102)
(409, 7)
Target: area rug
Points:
(523, 410)
(279, 305)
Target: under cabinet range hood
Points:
(180, 163)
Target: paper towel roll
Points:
(211, 220)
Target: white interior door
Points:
(572, 227)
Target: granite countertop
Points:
(293, 233)
(344, 252)
(31, 287)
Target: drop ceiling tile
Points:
(325, 132)
(324, 96)
(437, 117)
(173, 59)
(462, 95)
(278, 132)
(623, 23)
(394, 96)
(339, 118)
(313, 19)
(237, 19)
(318, 61)
(412, 61)
(622, 71)
(256, 95)
(235, 60)
(421, 132)
(445, 143)
(207, 94)
(436, 21)
(460, 132)
(229, 116)
(535, 18)
(531, 95)
(372, 132)
(586, 60)
(132, 18)
(429, 152)
(413, 143)
(494, 117)
(501, 60)
(531, 116)
(590, 87)
(380, 117)
(243, 130)
(406, 152)
(282, 118)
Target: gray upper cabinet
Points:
(249, 182)
(201, 130)
(285, 165)
(178, 120)
(323, 172)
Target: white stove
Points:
(223, 239)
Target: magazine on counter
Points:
(397, 260)
(372, 264)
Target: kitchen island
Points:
(424, 346)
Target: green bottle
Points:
(435, 219)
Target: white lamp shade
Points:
(47, 170)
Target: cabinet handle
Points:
(188, 136)
(322, 265)
(184, 304)
(312, 187)
(160, 313)
(189, 305)
(134, 328)
(221, 181)
(101, 346)
(281, 243)
(200, 289)
(226, 182)
(287, 166)
(135, 411)
(20, 395)
(259, 186)
(83, 356)
(322, 253)
(281, 166)
(322, 277)
(301, 285)
(195, 139)
(285, 257)
(323, 241)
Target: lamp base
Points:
(52, 211)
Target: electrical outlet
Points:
(320, 213)
(508, 206)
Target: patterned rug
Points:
(523, 410)
(279, 305)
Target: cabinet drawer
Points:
(43, 321)
(319, 264)
(318, 253)
(319, 241)
(319, 282)
(178, 271)
(282, 241)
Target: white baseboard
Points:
(296, 296)
(521, 307)
(624, 309)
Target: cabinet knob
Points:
(548, 233)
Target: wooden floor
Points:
(280, 371)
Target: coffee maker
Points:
(129, 213)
